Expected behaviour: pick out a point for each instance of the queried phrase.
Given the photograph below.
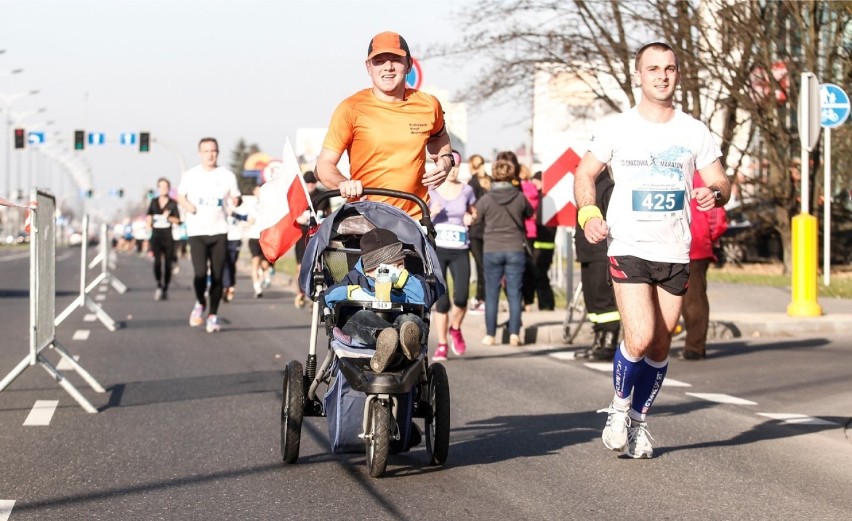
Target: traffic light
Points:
(79, 139)
(20, 138)
(144, 141)
(120, 193)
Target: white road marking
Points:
(607, 368)
(102, 288)
(6, 506)
(796, 419)
(42, 412)
(81, 334)
(100, 296)
(600, 366)
(722, 398)
(671, 382)
(89, 317)
(563, 355)
(65, 365)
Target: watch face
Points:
(717, 194)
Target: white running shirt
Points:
(652, 166)
(211, 193)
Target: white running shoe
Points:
(614, 434)
(639, 441)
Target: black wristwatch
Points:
(452, 159)
(717, 195)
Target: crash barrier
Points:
(83, 299)
(106, 258)
(42, 224)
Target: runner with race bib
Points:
(451, 205)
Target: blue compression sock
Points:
(626, 371)
(648, 385)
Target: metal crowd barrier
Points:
(106, 258)
(83, 299)
(43, 302)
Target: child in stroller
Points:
(369, 410)
(394, 342)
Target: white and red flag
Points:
(281, 200)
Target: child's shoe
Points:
(409, 340)
(385, 349)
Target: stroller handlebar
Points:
(425, 221)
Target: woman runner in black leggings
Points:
(162, 214)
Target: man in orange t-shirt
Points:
(386, 131)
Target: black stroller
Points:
(366, 410)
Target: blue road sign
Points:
(128, 138)
(97, 138)
(834, 105)
(35, 138)
(414, 78)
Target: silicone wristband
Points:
(586, 213)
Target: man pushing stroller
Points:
(395, 342)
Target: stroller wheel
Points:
(378, 439)
(292, 411)
(438, 425)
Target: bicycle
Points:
(576, 316)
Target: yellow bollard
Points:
(804, 283)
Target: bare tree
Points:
(740, 64)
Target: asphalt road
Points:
(189, 425)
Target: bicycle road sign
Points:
(834, 105)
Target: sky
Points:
(184, 69)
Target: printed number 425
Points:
(659, 201)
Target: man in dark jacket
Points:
(597, 289)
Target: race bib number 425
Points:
(653, 205)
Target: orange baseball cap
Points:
(388, 42)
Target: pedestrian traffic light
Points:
(90, 193)
(79, 139)
(120, 192)
(144, 141)
(20, 138)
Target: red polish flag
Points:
(281, 200)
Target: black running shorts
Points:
(670, 276)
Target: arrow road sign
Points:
(834, 108)
(35, 138)
(128, 138)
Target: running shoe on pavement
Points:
(440, 353)
(457, 342)
(514, 340)
(488, 340)
(639, 441)
(614, 435)
(213, 324)
(196, 318)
